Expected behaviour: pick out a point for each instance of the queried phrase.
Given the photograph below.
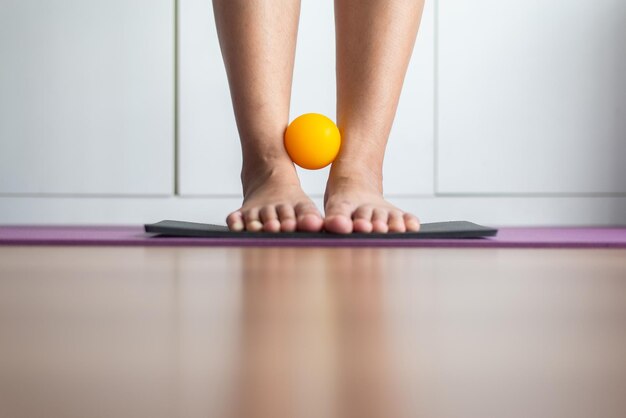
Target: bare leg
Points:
(258, 41)
(375, 40)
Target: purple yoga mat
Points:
(536, 237)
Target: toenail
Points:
(255, 225)
(413, 222)
(237, 226)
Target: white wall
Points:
(534, 93)
(86, 97)
(512, 113)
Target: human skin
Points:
(374, 43)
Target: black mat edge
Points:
(434, 230)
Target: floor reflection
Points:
(310, 332)
(313, 334)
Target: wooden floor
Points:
(286, 332)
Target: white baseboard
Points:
(493, 211)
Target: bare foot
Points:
(354, 202)
(274, 201)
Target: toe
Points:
(310, 223)
(308, 218)
(235, 221)
(269, 218)
(339, 218)
(396, 222)
(379, 220)
(362, 219)
(412, 222)
(339, 224)
(251, 220)
(287, 217)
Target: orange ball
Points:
(312, 141)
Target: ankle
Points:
(353, 178)
(256, 173)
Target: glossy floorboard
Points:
(312, 332)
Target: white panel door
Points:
(532, 96)
(86, 96)
(210, 159)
